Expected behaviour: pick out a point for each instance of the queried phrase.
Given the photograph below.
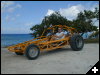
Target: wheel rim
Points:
(33, 52)
(79, 42)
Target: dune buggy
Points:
(32, 48)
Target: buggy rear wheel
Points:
(76, 42)
(32, 52)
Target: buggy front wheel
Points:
(32, 52)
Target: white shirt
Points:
(65, 32)
(59, 34)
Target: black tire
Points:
(17, 53)
(76, 42)
(33, 48)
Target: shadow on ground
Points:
(52, 52)
(43, 54)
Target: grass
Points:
(95, 40)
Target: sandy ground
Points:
(61, 61)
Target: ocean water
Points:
(11, 39)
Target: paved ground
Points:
(61, 61)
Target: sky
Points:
(17, 17)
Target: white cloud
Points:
(49, 12)
(12, 9)
(71, 12)
(93, 7)
(96, 22)
(17, 15)
(9, 6)
(18, 6)
(9, 18)
(5, 5)
(13, 19)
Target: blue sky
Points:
(18, 16)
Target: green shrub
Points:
(95, 40)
